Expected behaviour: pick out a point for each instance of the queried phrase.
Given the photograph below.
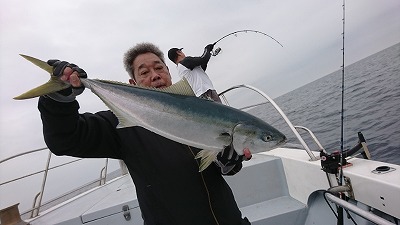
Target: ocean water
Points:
(371, 105)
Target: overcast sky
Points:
(95, 35)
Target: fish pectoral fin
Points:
(225, 137)
(225, 134)
(206, 158)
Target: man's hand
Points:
(209, 47)
(69, 73)
(228, 159)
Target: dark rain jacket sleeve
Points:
(193, 62)
(66, 132)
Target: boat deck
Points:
(260, 189)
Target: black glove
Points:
(209, 47)
(59, 66)
(228, 159)
(69, 94)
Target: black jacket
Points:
(169, 187)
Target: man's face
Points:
(150, 71)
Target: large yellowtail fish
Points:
(175, 113)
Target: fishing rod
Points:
(333, 163)
(242, 31)
(340, 220)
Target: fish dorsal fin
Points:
(181, 87)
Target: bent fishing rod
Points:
(242, 31)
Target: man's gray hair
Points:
(137, 50)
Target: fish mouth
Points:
(281, 142)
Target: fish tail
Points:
(53, 85)
(206, 158)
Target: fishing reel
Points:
(331, 162)
(216, 51)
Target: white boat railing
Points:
(282, 114)
(321, 148)
(364, 214)
(37, 201)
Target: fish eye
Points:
(267, 138)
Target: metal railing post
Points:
(35, 212)
(103, 173)
(122, 166)
(312, 136)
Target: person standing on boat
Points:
(170, 190)
(193, 70)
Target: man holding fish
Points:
(169, 186)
